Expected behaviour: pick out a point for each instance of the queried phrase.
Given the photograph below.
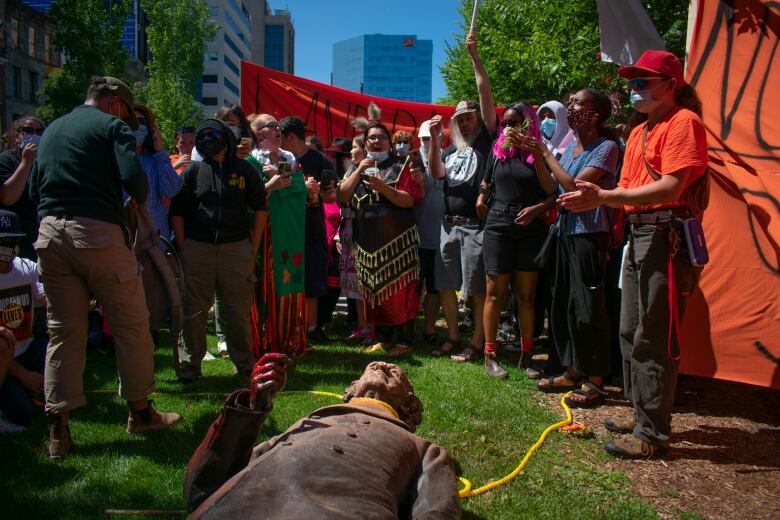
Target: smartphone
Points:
(283, 168)
(246, 142)
(415, 158)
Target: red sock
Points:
(526, 344)
(490, 348)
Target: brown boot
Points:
(60, 442)
(620, 423)
(150, 420)
(493, 369)
(632, 447)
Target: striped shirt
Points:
(163, 182)
(602, 154)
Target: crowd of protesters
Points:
(271, 228)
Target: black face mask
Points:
(209, 146)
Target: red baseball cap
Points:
(661, 63)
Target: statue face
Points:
(383, 381)
(388, 383)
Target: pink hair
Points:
(532, 130)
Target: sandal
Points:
(399, 349)
(592, 396)
(548, 385)
(446, 346)
(467, 354)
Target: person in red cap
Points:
(663, 176)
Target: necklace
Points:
(375, 402)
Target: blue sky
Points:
(318, 25)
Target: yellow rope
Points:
(467, 491)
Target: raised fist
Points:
(268, 377)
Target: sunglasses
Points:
(509, 122)
(273, 125)
(402, 142)
(209, 134)
(30, 130)
(641, 83)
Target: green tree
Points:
(540, 50)
(177, 35)
(88, 34)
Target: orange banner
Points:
(732, 326)
(327, 111)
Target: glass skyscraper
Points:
(391, 66)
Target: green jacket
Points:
(85, 159)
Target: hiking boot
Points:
(632, 447)
(150, 420)
(493, 369)
(620, 423)
(60, 442)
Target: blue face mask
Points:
(140, 134)
(548, 127)
(379, 157)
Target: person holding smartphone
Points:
(282, 249)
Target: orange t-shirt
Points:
(175, 158)
(676, 142)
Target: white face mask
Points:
(642, 100)
(379, 157)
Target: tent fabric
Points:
(732, 326)
(626, 31)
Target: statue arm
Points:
(437, 489)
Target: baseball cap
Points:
(465, 107)
(661, 63)
(118, 88)
(9, 224)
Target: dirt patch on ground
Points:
(723, 462)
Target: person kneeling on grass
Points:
(341, 461)
(20, 293)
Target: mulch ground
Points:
(724, 460)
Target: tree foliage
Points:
(540, 50)
(177, 36)
(88, 33)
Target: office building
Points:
(27, 55)
(391, 66)
(248, 30)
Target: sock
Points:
(490, 348)
(526, 344)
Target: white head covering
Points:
(561, 127)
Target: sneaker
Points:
(358, 334)
(620, 423)
(209, 356)
(60, 442)
(222, 348)
(370, 337)
(9, 427)
(632, 447)
(150, 420)
(493, 369)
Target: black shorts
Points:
(428, 269)
(509, 247)
(316, 275)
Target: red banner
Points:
(732, 327)
(327, 111)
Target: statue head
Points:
(388, 383)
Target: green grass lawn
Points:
(485, 425)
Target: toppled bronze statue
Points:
(357, 460)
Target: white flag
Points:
(626, 31)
